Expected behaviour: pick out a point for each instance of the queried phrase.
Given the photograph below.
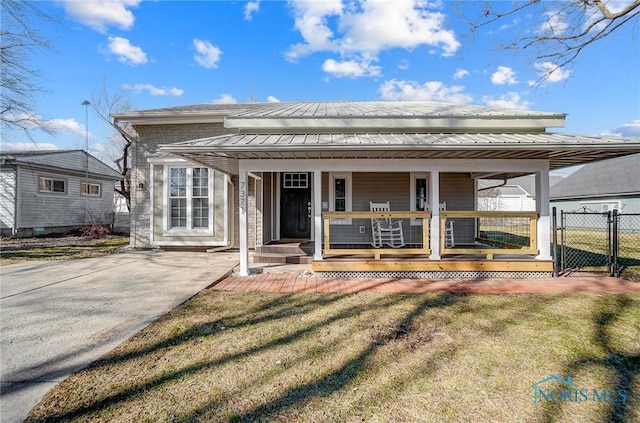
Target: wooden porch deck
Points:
(413, 264)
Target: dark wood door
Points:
(295, 206)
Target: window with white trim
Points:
(340, 195)
(189, 207)
(52, 185)
(90, 189)
(295, 180)
(419, 194)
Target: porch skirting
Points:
(437, 269)
(433, 274)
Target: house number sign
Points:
(243, 195)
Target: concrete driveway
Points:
(58, 317)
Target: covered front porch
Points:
(452, 239)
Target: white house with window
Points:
(54, 191)
(309, 173)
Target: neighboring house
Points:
(516, 194)
(601, 187)
(55, 191)
(248, 175)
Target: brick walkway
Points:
(292, 282)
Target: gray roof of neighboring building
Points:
(527, 183)
(614, 177)
(70, 161)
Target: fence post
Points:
(563, 241)
(615, 245)
(609, 244)
(555, 242)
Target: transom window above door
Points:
(295, 180)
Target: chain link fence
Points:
(599, 242)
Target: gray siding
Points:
(71, 161)
(457, 189)
(40, 210)
(7, 201)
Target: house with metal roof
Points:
(601, 187)
(515, 194)
(43, 192)
(358, 186)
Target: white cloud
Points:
(311, 20)
(251, 8)
(225, 99)
(429, 91)
(361, 29)
(65, 126)
(551, 72)
(207, 55)
(404, 65)
(350, 68)
(56, 126)
(510, 100)
(126, 52)
(460, 73)
(627, 130)
(153, 90)
(555, 23)
(272, 99)
(28, 146)
(504, 75)
(100, 14)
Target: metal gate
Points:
(600, 242)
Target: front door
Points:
(295, 205)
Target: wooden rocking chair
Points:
(384, 230)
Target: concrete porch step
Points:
(282, 258)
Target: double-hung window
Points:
(190, 202)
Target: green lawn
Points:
(226, 356)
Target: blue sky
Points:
(170, 53)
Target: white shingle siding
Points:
(7, 201)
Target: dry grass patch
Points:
(79, 248)
(227, 356)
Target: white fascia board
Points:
(495, 123)
(394, 165)
(166, 118)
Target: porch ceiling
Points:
(223, 152)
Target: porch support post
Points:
(544, 222)
(434, 201)
(317, 214)
(244, 222)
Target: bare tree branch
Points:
(564, 28)
(104, 104)
(19, 84)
